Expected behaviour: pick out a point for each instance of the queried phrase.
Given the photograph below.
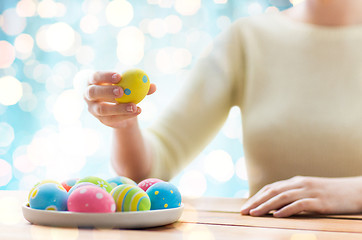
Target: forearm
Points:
(131, 154)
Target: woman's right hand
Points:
(100, 96)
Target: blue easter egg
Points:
(49, 196)
(164, 195)
(119, 180)
(78, 185)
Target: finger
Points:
(305, 204)
(103, 93)
(277, 202)
(267, 193)
(102, 109)
(152, 89)
(104, 78)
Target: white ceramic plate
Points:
(139, 219)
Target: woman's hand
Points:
(100, 96)
(309, 194)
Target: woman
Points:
(297, 78)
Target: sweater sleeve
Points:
(196, 115)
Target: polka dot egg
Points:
(135, 84)
(97, 181)
(119, 180)
(164, 195)
(91, 199)
(40, 183)
(130, 198)
(48, 196)
(145, 184)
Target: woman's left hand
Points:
(309, 194)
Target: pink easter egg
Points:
(145, 184)
(91, 199)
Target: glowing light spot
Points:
(24, 43)
(26, 8)
(85, 55)
(9, 209)
(240, 169)
(192, 184)
(80, 80)
(5, 172)
(130, 46)
(60, 37)
(119, 13)
(23, 164)
(68, 107)
(11, 90)
(174, 24)
(255, 9)
(13, 24)
(50, 9)
(220, 1)
(157, 28)
(7, 55)
(187, 7)
(219, 165)
(6, 133)
(89, 24)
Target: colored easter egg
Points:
(145, 184)
(164, 195)
(78, 185)
(91, 199)
(49, 196)
(135, 84)
(40, 183)
(69, 183)
(119, 180)
(130, 198)
(97, 181)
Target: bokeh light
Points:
(26, 8)
(119, 13)
(7, 55)
(187, 7)
(130, 46)
(219, 165)
(193, 184)
(5, 172)
(6, 133)
(12, 23)
(68, 107)
(24, 44)
(11, 90)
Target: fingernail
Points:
(116, 78)
(116, 92)
(129, 108)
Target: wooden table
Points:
(202, 219)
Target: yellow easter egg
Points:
(135, 84)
